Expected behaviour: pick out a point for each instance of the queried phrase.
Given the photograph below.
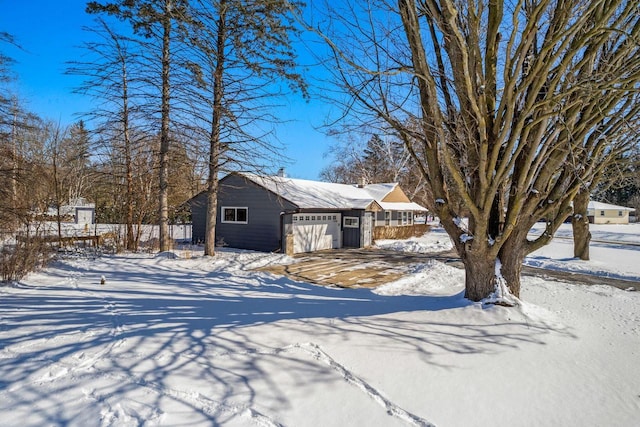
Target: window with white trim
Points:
(234, 215)
(351, 221)
(406, 218)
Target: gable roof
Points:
(606, 206)
(308, 194)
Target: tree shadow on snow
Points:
(158, 320)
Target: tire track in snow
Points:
(317, 353)
(392, 409)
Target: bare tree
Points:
(518, 106)
(53, 147)
(111, 68)
(382, 159)
(615, 171)
(5, 74)
(9, 124)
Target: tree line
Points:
(182, 91)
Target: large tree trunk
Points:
(130, 242)
(580, 226)
(480, 275)
(214, 138)
(512, 256)
(493, 280)
(212, 189)
(212, 207)
(163, 209)
(496, 278)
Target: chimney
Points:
(362, 182)
(281, 173)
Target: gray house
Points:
(292, 215)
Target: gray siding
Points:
(262, 231)
(198, 206)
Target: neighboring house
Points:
(604, 213)
(79, 209)
(294, 215)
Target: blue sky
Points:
(50, 32)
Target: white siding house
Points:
(604, 213)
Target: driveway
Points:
(351, 267)
(374, 267)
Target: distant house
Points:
(604, 213)
(276, 213)
(79, 210)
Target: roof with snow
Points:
(308, 194)
(606, 206)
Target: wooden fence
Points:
(399, 232)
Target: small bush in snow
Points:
(26, 255)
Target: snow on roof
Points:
(380, 191)
(400, 206)
(606, 206)
(308, 194)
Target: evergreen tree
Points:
(155, 20)
(242, 55)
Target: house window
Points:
(387, 217)
(619, 213)
(601, 213)
(351, 221)
(235, 215)
(406, 218)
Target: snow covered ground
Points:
(609, 258)
(614, 251)
(180, 339)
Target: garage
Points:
(316, 231)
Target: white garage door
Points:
(316, 231)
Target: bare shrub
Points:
(26, 255)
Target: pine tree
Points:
(242, 54)
(155, 20)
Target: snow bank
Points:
(435, 240)
(431, 278)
